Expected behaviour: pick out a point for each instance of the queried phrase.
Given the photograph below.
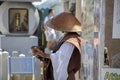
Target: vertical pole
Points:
(78, 10)
(0, 65)
(43, 74)
(77, 14)
(34, 77)
(43, 42)
(101, 37)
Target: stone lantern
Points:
(18, 21)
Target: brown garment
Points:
(74, 63)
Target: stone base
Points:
(23, 44)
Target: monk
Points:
(65, 58)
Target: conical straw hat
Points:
(65, 22)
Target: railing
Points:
(19, 66)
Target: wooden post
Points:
(43, 40)
(101, 38)
(5, 74)
(77, 14)
(37, 73)
(78, 10)
(0, 65)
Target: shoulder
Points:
(65, 44)
(46, 19)
(75, 40)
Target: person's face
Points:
(52, 13)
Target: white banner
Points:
(116, 20)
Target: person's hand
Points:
(36, 51)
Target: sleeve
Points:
(46, 19)
(60, 61)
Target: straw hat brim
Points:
(65, 22)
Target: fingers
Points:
(36, 51)
(36, 55)
(33, 47)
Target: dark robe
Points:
(74, 63)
